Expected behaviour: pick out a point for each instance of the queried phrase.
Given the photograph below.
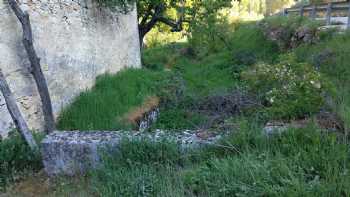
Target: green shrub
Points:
(249, 40)
(160, 57)
(289, 89)
(210, 30)
(330, 57)
(16, 159)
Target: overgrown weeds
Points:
(16, 159)
(298, 162)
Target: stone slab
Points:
(75, 152)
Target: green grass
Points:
(113, 95)
(300, 162)
(16, 159)
(102, 107)
(248, 38)
(331, 58)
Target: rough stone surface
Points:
(71, 153)
(74, 152)
(272, 128)
(76, 40)
(148, 119)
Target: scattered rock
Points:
(304, 34)
(221, 106)
(144, 115)
(278, 127)
(330, 121)
(272, 128)
(325, 120)
(148, 119)
(287, 38)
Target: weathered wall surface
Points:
(76, 40)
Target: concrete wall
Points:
(76, 40)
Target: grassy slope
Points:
(300, 162)
(113, 96)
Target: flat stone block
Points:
(74, 152)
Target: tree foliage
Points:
(189, 15)
(171, 13)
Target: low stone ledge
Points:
(74, 152)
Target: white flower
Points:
(316, 84)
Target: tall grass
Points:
(102, 107)
(299, 162)
(16, 159)
(331, 58)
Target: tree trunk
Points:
(36, 71)
(141, 37)
(16, 113)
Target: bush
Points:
(250, 45)
(330, 57)
(210, 31)
(16, 159)
(289, 89)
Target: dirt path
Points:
(37, 185)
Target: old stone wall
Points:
(76, 40)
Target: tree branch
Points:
(176, 26)
(36, 71)
(146, 16)
(15, 113)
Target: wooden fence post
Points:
(348, 25)
(285, 12)
(329, 14)
(301, 11)
(313, 12)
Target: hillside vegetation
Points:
(261, 72)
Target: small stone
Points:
(273, 128)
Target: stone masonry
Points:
(76, 152)
(76, 40)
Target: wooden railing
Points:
(325, 8)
